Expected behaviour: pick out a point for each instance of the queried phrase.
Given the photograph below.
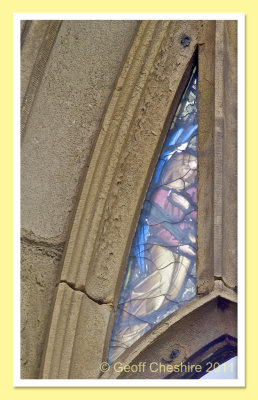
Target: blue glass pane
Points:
(161, 271)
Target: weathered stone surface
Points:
(225, 190)
(38, 71)
(89, 349)
(56, 146)
(230, 157)
(132, 134)
(133, 130)
(31, 41)
(205, 185)
(73, 349)
(218, 144)
(39, 275)
(65, 118)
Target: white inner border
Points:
(240, 381)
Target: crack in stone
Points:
(220, 278)
(40, 243)
(73, 287)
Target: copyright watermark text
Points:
(159, 367)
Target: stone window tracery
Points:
(161, 271)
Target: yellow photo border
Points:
(250, 9)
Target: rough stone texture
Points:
(65, 118)
(128, 147)
(225, 190)
(218, 145)
(205, 180)
(134, 127)
(230, 157)
(55, 151)
(39, 275)
(38, 70)
(31, 41)
(73, 349)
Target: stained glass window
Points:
(161, 272)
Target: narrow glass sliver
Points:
(161, 272)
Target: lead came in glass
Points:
(161, 272)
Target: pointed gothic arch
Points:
(133, 130)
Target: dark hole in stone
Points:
(185, 40)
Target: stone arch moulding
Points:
(133, 130)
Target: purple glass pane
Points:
(161, 271)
